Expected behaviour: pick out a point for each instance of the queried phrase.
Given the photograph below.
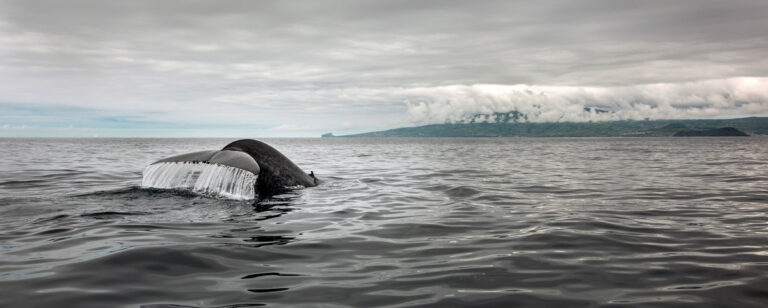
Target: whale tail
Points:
(242, 170)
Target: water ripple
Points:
(580, 222)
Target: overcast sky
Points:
(302, 68)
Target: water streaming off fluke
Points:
(203, 178)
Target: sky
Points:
(302, 68)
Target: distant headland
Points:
(509, 125)
(721, 132)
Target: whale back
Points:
(277, 172)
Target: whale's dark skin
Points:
(276, 173)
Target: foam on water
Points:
(204, 178)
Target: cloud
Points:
(290, 128)
(15, 127)
(702, 99)
(239, 64)
(732, 97)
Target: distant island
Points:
(513, 125)
(723, 132)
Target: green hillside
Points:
(658, 128)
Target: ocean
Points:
(443, 222)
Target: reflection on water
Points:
(402, 222)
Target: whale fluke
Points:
(234, 159)
(244, 167)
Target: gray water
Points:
(396, 222)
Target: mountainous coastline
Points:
(514, 126)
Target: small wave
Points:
(111, 214)
(47, 219)
(267, 290)
(133, 192)
(138, 192)
(22, 183)
(251, 276)
(462, 192)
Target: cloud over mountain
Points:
(701, 99)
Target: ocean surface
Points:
(487, 222)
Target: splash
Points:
(213, 179)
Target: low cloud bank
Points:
(723, 98)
